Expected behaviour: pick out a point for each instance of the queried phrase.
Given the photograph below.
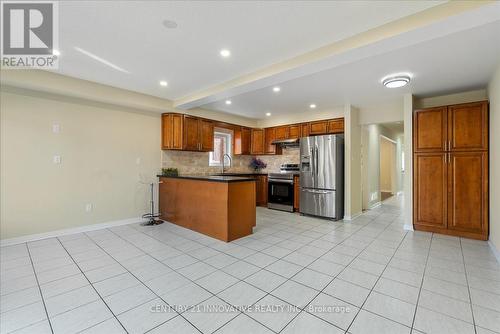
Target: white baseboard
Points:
(58, 233)
(352, 217)
(495, 251)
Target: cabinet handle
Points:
(449, 145)
(445, 146)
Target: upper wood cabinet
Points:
(318, 127)
(189, 133)
(257, 136)
(270, 136)
(294, 131)
(336, 125)
(171, 131)
(430, 130)
(305, 129)
(468, 127)
(281, 132)
(242, 140)
(206, 129)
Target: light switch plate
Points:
(57, 159)
(56, 128)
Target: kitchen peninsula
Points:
(222, 207)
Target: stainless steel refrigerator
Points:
(322, 176)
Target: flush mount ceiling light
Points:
(163, 83)
(312, 106)
(225, 53)
(276, 89)
(396, 80)
(228, 102)
(169, 24)
(268, 114)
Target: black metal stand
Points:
(153, 218)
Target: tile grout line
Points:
(378, 278)
(39, 290)
(90, 283)
(422, 282)
(468, 287)
(354, 258)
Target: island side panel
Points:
(198, 205)
(241, 209)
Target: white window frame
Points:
(228, 134)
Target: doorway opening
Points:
(387, 175)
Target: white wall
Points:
(99, 148)
(494, 97)
(352, 163)
(371, 163)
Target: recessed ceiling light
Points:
(169, 24)
(228, 102)
(268, 114)
(312, 106)
(396, 80)
(163, 83)
(56, 52)
(225, 53)
(276, 89)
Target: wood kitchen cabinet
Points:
(242, 140)
(294, 131)
(430, 130)
(450, 171)
(468, 127)
(270, 136)
(336, 126)
(318, 127)
(281, 132)
(430, 188)
(171, 131)
(305, 129)
(188, 133)
(257, 136)
(261, 190)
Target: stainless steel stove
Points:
(280, 188)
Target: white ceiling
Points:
(130, 35)
(449, 64)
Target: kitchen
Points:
(279, 150)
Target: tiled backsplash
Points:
(197, 162)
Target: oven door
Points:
(280, 194)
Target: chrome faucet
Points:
(223, 158)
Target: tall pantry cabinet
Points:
(450, 166)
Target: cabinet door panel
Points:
(177, 130)
(294, 132)
(257, 141)
(336, 126)
(430, 129)
(318, 128)
(468, 126)
(191, 134)
(270, 136)
(305, 129)
(282, 132)
(245, 140)
(468, 198)
(166, 131)
(430, 189)
(206, 135)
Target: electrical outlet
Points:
(57, 159)
(56, 128)
(88, 207)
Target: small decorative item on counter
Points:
(256, 164)
(169, 172)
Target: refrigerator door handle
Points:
(322, 192)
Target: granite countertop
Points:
(238, 174)
(212, 178)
